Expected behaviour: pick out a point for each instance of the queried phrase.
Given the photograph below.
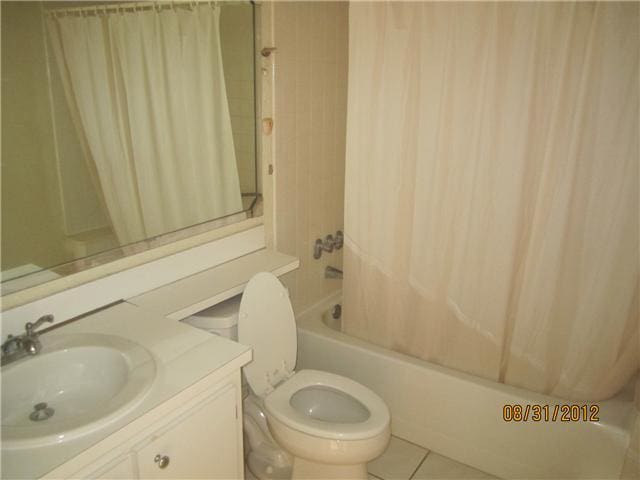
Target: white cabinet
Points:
(191, 436)
(199, 444)
(123, 468)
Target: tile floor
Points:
(404, 460)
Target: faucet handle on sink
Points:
(31, 327)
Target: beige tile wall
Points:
(310, 130)
(631, 467)
(32, 226)
(236, 36)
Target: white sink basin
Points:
(87, 381)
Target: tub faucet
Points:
(14, 348)
(331, 272)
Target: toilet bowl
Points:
(330, 425)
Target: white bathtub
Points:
(461, 416)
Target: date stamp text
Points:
(550, 413)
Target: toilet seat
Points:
(278, 404)
(266, 324)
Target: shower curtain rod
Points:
(129, 6)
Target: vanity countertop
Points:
(183, 356)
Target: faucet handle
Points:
(11, 344)
(31, 327)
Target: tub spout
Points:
(331, 272)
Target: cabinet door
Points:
(121, 468)
(201, 443)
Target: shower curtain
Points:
(492, 189)
(148, 89)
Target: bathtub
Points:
(461, 416)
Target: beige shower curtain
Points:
(148, 88)
(492, 189)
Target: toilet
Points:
(327, 426)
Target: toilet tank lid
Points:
(221, 315)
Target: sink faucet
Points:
(14, 348)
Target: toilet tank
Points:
(221, 319)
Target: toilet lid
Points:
(267, 324)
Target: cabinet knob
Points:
(161, 460)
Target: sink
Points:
(78, 384)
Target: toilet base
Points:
(264, 458)
(306, 469)
(332, 459)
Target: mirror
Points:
(122, 123)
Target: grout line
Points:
(412, 443)
(425, 455)
(420, 464)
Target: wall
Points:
(310, 128)
(631, 467)
(32, 229)
(49, 201)
(236, 36)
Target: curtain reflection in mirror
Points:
(147, 91)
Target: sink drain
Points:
(41, 412)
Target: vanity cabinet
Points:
(122, 468)
(195, 445)
(194, 438)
